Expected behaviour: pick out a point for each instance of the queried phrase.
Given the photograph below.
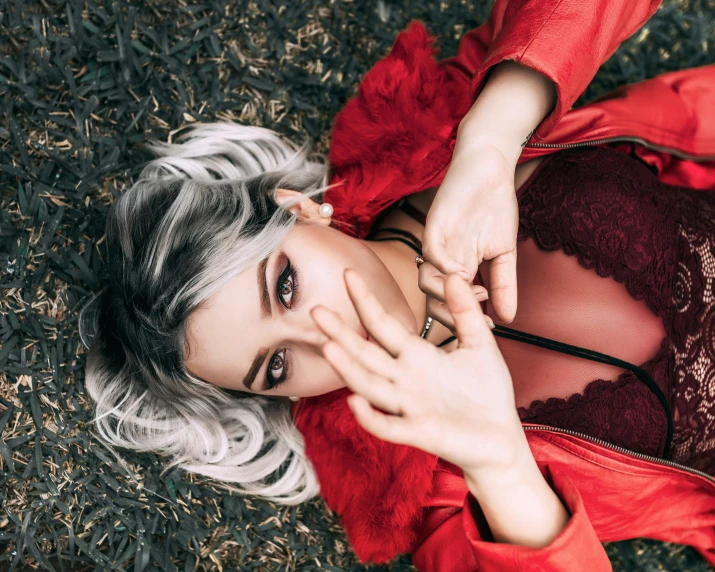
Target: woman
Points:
(189, 309)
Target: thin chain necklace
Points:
(415, 244)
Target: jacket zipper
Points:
(607, 445)
(643, 142)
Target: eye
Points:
(286, 285)
(277, 369)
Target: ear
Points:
(306, 209)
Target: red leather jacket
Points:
(396, 137)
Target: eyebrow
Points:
(266, 311)
(255, 366)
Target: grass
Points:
(82, 84)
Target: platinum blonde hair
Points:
(198, 216)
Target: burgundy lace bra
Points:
(608, 274)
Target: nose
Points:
(300, 328)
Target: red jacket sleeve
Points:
(566, 40)
(461, 541)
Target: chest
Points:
(560, 300)
(594, 266)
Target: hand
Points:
(458, 405)
(474, 218)
(438, 310)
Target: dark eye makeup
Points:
(287, 286)
(287, 294)
(278, 367)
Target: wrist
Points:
(517, 468)
(495, 167)
(512, 104)
(520, 506)
(477, 133)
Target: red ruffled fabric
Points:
(380, 488)
(396, 134)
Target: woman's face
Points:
(257, 335)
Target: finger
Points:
(383, 328)
(470, 326)
(432, 284)
(480, 293)
(386, 427)
(441, 313)
(438, 256)
(502, 277)
(434, 249)
(431, 281)
(369, 355)
(378, 391)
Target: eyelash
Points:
(287, 275)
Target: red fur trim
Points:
(379, 489)
(396, 133)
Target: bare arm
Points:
(513, 102)
(519, 505)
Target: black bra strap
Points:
(398, 239)
(561, 347)
(412, 212)
(413, 242)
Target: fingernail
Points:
(490, 322)
(478, 291)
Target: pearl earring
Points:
(326, 210)
(292, 398)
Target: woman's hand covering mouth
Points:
(458, 405)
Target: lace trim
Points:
(593, 389)
(620, 238)
(693, 331)
(644, 432)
